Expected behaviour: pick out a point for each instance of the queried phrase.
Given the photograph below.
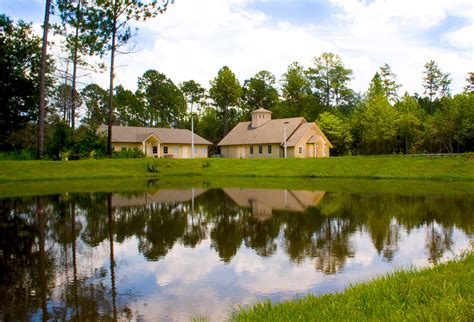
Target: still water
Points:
(175, 254)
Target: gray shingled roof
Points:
(139, 134)
(270, 132)
(299, 134)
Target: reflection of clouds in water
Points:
(277, 274)
(365, 251)
(186, 265)
(129, 259)
(194, 282)
(411, 250)
(246, 261)
(181, 304)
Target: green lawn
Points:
(459, 168)
(442, 293)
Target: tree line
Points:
(378, 121)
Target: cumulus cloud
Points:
(194, 39)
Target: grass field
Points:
(458, 168)
(398, 187)
(442, 293)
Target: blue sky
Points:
(194, 39)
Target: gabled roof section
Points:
(299, 133)
(136, 134)
(318, 130)
(145, 137)
(272, 132)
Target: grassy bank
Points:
(394, 187)
(459, 168)
(442, 293)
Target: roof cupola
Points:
(260, 117)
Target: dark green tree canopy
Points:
(164, 102)
(259, 91)
(194, 93)
(329, 78)
(20, 55)
(95, 101)
(226, 92)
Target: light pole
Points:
(284, 133)
(192, 132)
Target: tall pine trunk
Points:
(74, 70)
(111, 88)
(42, 75)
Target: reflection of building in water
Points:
(165, 196)
(263, 201)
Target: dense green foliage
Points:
(441, 293)
(20, 52)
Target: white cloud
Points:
(461, 38)
(194, 39)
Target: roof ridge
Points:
(294, 131)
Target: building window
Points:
(300, 150)
(260, 149)
(155, 150)
(204, 150)
(165, 150)
(176, 150)
(269, 149)
(195, 150)
(124, 147)
(251, 149)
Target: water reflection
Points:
(178, 253)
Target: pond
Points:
(181, 253)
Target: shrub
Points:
(128, 154)
(153, 167)
(206, 164)
(18, 155)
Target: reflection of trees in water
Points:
(38, 265)
(22, 253)
(166, 224)
(390, 244)
(333, 246)
(32, 242)
(227, 218)
(384, 217)
(311, 235)
(438, 241)
(262, 235)
(159, 226)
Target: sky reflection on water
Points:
(181, 253)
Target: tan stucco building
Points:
(157, 142)
(265, 138)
